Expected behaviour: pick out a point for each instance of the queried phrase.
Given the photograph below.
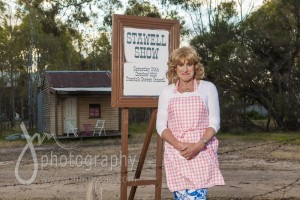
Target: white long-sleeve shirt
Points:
(206, 90)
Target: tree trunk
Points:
(268, 123)
(12, 113)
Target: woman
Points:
(188, 118)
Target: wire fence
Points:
(86, 178)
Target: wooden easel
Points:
(126, 96)
(124, 167)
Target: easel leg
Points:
(124, 147)
(143, 156)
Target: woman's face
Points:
(185, 71)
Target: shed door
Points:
(70, 112)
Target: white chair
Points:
(72, 129)
(99, 127)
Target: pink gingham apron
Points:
(187, 120)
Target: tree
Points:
(251, 61)
(217, 45)
(100, 56)
(276, 51)
(144, 9)
(39, 38)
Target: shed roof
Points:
(78, 79)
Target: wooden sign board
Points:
(141, 48)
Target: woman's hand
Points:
(182, 146)
(190, 150)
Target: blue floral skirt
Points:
(187, 194)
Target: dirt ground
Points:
(252, 170)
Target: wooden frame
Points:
(118, 56)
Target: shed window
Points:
(94, 110)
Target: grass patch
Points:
(20, 141)
(137, 128)
(291, 137)
(136, 132)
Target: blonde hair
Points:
(188, 54)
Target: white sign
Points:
(146, 57)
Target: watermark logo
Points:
(33, 153)
(52, 160)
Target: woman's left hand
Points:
(192, 149)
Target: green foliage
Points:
(275, 51)
(108, 7)
(144, 8)
(174, 14)
(2, 6)
(45, 39)
(255, 59)
(254, 115)
(225, 11)
(100, 56)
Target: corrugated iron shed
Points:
(78, 79)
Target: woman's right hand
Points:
(181, 146)
(190, 150)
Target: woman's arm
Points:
(213, 108)
(162, 119)
(162, 111)
(169, 138)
